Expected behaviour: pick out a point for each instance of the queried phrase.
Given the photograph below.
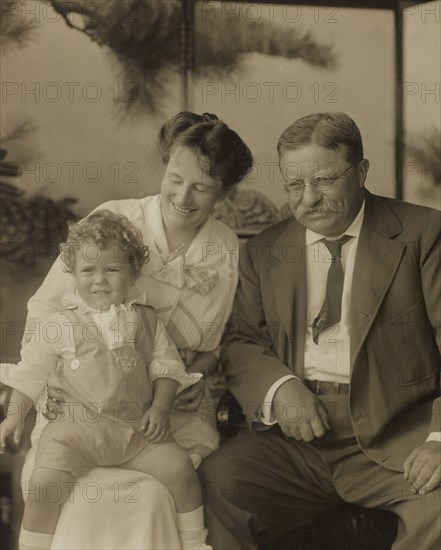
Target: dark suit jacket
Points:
(395, 363)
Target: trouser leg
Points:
(361, 481)
(419, 523)
(262, 480)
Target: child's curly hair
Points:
(105, 228)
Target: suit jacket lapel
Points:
(377, 260)
(288, 276)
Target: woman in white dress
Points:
(190, 279)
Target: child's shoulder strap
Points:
(147, 316)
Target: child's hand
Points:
(156, 424)
(12, 424)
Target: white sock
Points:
(191, 530)
(29, 540)
(188, 521)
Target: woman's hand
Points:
(190, 399)
(156, 423)
(12, 424)
(18, 408)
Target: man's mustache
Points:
(321, 207)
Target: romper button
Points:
(75, 364)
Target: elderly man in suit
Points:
(332, 354)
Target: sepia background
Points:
(89, 132)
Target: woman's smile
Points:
(182, 209)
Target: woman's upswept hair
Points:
(105, 229)
(223, 154)
(328, 130)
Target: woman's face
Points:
(188, 194)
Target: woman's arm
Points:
(39, 357)
(48, 298)
(205, 362)
(189, 400)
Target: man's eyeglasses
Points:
(322, 183)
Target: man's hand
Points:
(298, 411)
(12, 424)
(423, 467)
(190, 399)
(156, 424)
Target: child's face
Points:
(103, 277)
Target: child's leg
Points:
(47, 491)
(171, 466)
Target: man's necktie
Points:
(330, 312)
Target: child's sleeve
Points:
(166, 361)
(39, 358)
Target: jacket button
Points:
(75, 363)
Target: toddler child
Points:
(116, 372)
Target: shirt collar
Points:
(353, 230)
(134, 296)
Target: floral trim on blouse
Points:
(198, 277)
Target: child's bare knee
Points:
(48, 487)
(182, 468)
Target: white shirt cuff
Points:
(434, 436)
(264, 413)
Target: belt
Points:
(326, 388)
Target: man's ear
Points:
(363, 169)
